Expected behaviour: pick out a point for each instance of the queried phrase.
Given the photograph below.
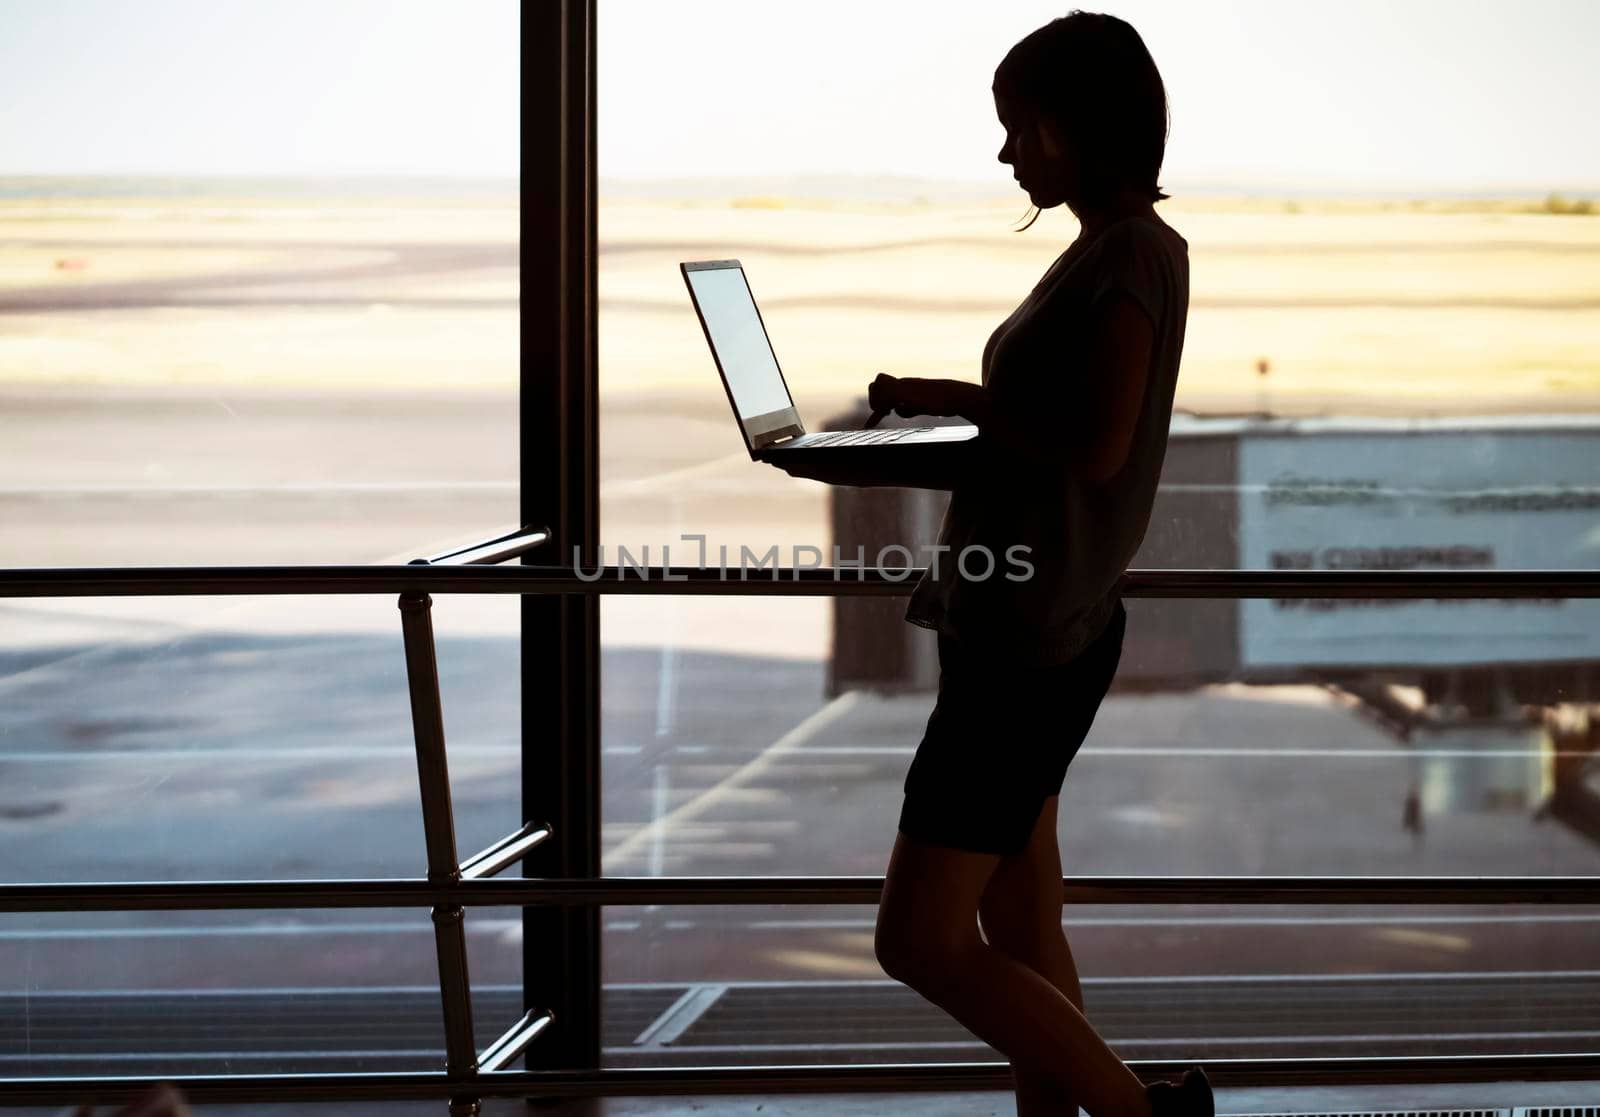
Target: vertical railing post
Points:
(439, 835)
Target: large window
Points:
(258, 305)
(247, 328)
(1390, 363)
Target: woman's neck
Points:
(1094, 219)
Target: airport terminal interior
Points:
(427, 687)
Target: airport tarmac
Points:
(200, 738)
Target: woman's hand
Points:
(909, 396)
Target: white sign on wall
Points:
(1420, 499)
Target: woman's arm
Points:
(1043, 439)
(1085, 422)
(1090, 435)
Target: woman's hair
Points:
(1093, 78)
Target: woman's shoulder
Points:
(1142, 244)
(1143, 230)
(1143, 251)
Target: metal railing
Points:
(453, 884)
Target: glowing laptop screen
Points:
(742, 347)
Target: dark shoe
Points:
(1189, 1098)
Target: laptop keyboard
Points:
(862, 438)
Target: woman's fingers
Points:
(883, 393)
(892, 393)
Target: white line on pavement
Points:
(711, 796)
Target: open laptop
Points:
(755, 385)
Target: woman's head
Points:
(1085, 112)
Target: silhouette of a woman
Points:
(1048, 506)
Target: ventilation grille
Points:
(843, 1022)
(1401, 1113)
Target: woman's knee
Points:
(928, 912)
(918, 952)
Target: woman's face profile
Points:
(1036, 154)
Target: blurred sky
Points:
(1461, 94)
(288, 87)
(1457, 94)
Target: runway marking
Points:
(1117, 1041)
(724, 788)
(1206, 750)
(681, 1015)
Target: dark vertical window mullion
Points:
(559, 432)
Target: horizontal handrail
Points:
(630, 891)
(895, 1077)
(223, 581)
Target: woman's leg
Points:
(1020, 915)
(927, 937)
(1020, 909)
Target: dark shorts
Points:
(999, 741)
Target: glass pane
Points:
(1389, 358)
(248, 329)
(1374, 750)
(1197, 982)
(1209, 757)
(242, 993)
(243, 328)
(260, 738)
(161, 993)
(1388, 365)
